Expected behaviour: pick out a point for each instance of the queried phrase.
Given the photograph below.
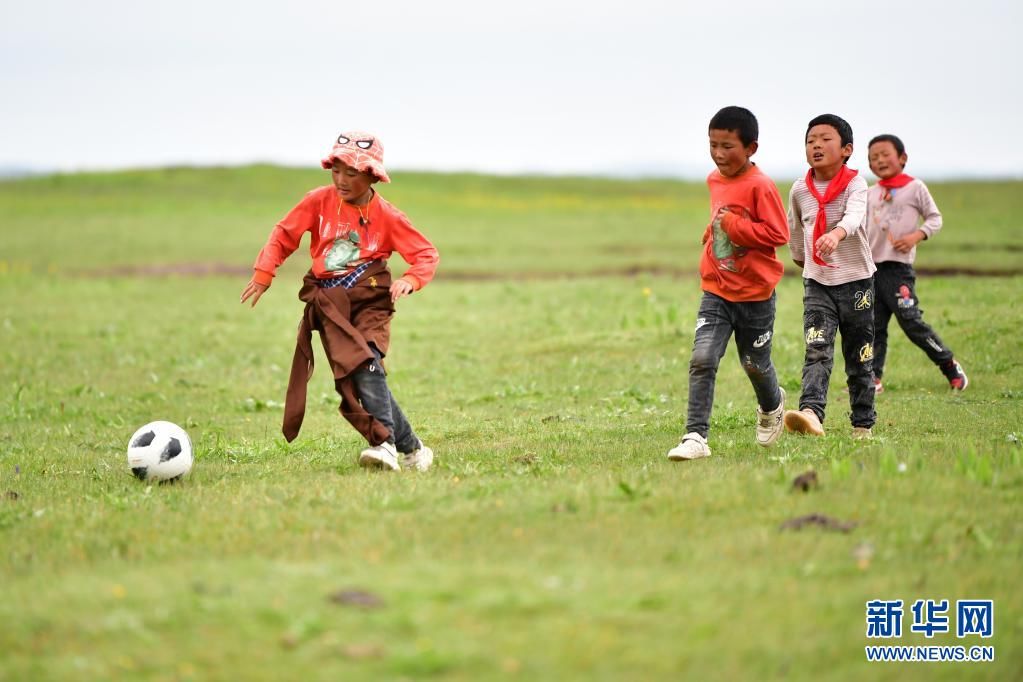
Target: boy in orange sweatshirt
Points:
(350, 297)
(739, 271)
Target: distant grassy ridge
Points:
(538, 225)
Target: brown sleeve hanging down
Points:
(348, 320)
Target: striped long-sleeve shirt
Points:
(851, 260)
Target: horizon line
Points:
(638, 172)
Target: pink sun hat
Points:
(362, 151)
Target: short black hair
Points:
(900, 148)
(836, 122)
(741, 121)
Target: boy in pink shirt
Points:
(350, 297)
(900, 214)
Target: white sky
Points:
(588, 87)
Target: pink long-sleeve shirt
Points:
(905, 210)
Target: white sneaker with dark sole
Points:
(418, 460)
(383, 456)
(771, 424)
(693, 446)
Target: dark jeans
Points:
(895, 284)
(847, 308)
(371, 386)
(753, 325)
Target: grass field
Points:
(547, 367)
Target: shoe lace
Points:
(769, 418)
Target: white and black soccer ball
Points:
(160, 451)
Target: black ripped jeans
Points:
(371, 386)
(828, 310)
(753, 325)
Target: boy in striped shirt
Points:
(827, 220)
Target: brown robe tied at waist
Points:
(348, 320)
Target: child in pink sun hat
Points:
(350, 296)
(361, 151)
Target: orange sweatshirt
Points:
(739, 262)
(341, 242)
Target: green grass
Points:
(552, 540)
(78, 222)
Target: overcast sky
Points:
(586, 87)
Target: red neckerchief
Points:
(835, 187)
(888, 184)
(900, 180)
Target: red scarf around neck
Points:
(835, 187)
(900, 180)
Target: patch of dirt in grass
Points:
(825, 522)
(356, 597)
(170, 270)
(1012, 248)
(805, 481)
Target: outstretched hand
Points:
(253, 290)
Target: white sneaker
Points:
(382, 456)
(420, 459)
(770, 424)
(862, 433)
(693, 446)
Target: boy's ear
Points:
(752, 148)
(903, 159)
(847, 151)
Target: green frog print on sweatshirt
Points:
(344, 250)
(724, 250)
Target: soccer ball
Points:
(160, 451)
